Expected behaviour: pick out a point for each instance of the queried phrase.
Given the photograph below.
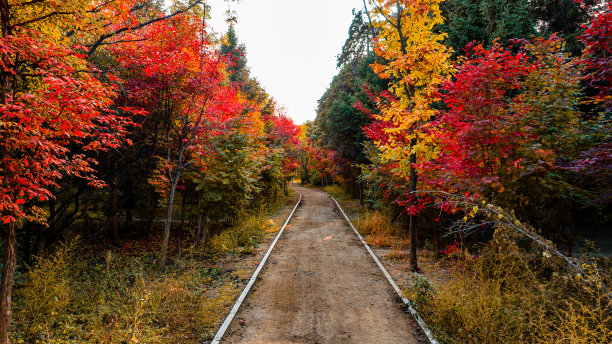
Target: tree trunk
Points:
(5, 76)
(306, 175)
(196, 241)
(27, 243)
(203, 234)
(436, 235)
(412, 237)
(6, 287)
(412, 224)
(360, 194)
(164, 253)
(128, 204)
(206, 228)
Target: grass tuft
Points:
(379, 231)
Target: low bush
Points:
(378, 230)
(336, 191)
(249, 230)
(117, 298)
(512, 293)
(242, 237)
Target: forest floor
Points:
(321, 286)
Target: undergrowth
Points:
(513, 293)
(82, 294)
(377, 229)
(115, 298)
(243, 237)
(336, 191)
(247, 234)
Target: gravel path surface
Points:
(321, 286)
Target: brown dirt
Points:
(321, 286)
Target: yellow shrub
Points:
(242, 237)
(379, 231)
(512, 295)
(47, 287)
(117, 298)
(335, 191)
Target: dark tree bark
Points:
(170, 205)
(182, 224)
(5, 24)
(6, 286)
(360, 194)
(412, 224)
(154, 205)
(206, 229)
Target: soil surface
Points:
(321, 286)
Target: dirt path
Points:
(320, 286)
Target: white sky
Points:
(291, 45)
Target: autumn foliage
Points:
(510, 126)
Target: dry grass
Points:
(378, 231)
(82, 295)
(119, 299)
(336, 191)
(512, 292)
(513, 295)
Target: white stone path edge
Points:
(245, 292)
(399, 292)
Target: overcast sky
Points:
(291, 45)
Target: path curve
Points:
(321, 286)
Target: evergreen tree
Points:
(235, 52)
(485, 21)
(563, 17)
(340, 123)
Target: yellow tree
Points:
(416, 63)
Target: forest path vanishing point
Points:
(321, 286)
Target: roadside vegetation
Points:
(99, 294)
